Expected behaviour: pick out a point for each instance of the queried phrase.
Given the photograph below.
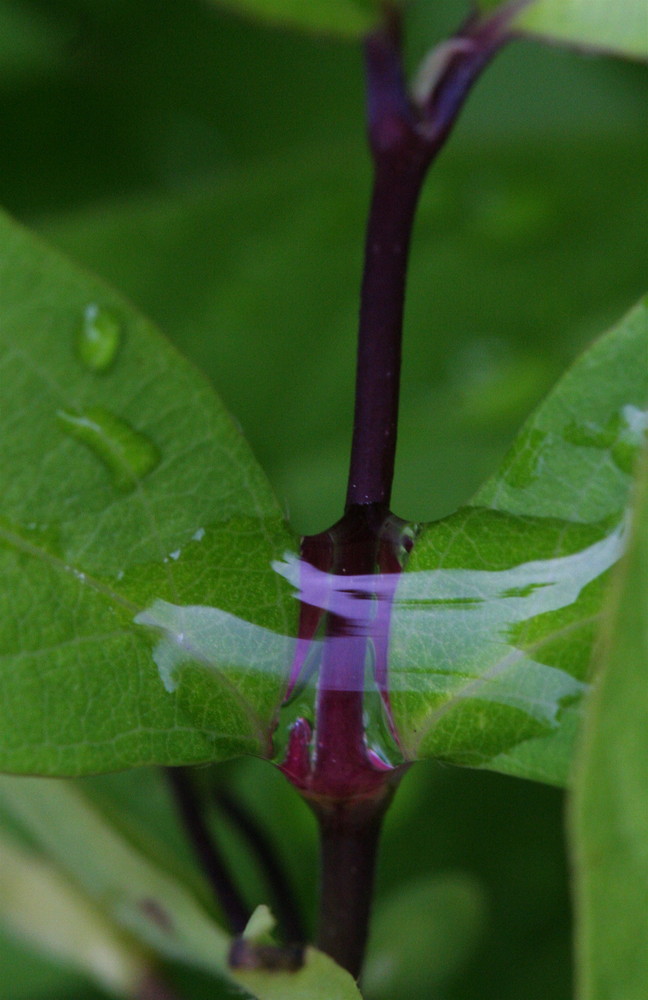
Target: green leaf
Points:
(29, 975)
(320, 977)
(609, 815)
(116, 873)
(124, 486)
(498, 612)
(620, 28)
(42, 907)
(347, 18)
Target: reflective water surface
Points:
(412, 648)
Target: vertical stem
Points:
(393, 206)
(227, 894)
(284, 900)
(399, 170)
(404, 140)
(349, 835)
(347, 788)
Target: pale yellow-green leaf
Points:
(113, 872)
(41, 906)
(619, 27)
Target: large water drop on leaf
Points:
(98, 338)
(127, 453)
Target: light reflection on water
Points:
(446, 634)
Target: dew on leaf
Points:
(98, 338)
(622, 435)
(127, 453)
(457, 661)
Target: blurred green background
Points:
(215, 171)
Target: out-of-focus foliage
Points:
(620, 27)
(610, 813)
(346, 18)
(216, 172)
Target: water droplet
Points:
(175, 555)
(126, 452)
(591, 435)
(98, 338)
(198, 535)
(622, 436)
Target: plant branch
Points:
(283, 896)
(349, 836)
(404, 137)
(347, 785)
(236, 912)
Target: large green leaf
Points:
(620, 27)
(122, 483)
(496, 616)
(348, 18)
(609, 818)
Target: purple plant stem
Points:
(346, 790)
(346, 785)
(190, 808)
(399, 171)
(404, 140)
(349, 837)
(283, 896)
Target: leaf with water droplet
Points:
(127, 453)
(497, 681)
(140, 466)
(98, 338)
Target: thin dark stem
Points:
(231, 902)
(283, 896)
(398, 176)
(405, 139)
(373, 449)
